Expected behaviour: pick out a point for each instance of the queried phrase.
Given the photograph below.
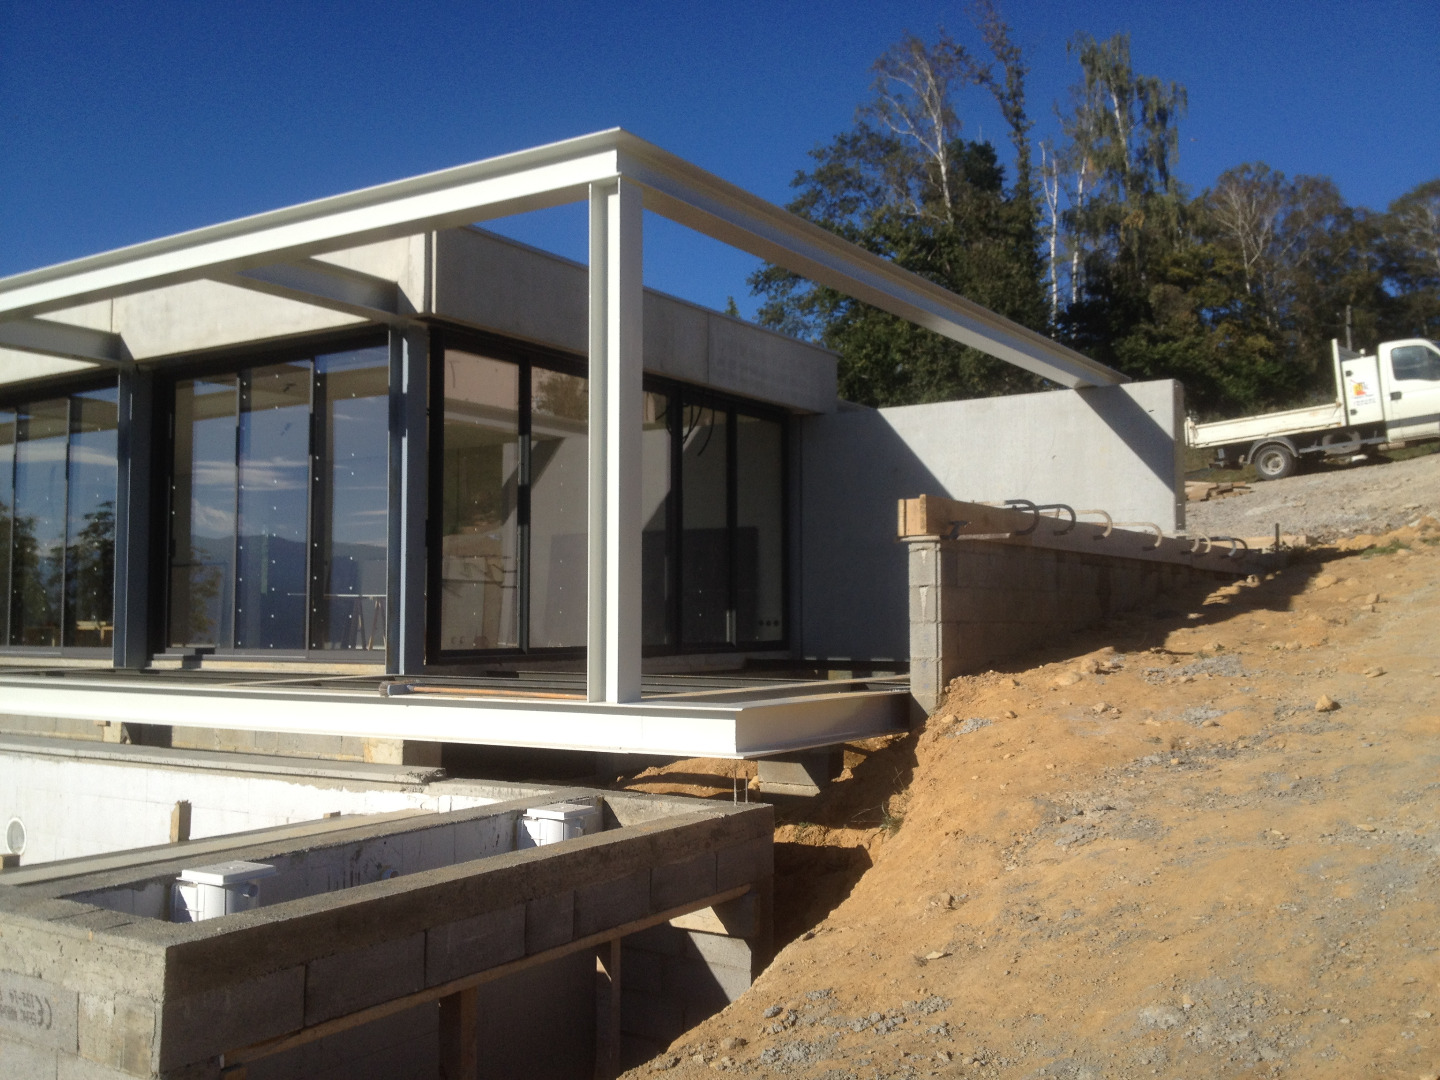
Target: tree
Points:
(1410, 250)
(905, 184)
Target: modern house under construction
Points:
(250, 472)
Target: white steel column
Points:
(616, 382)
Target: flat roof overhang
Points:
(749, 722)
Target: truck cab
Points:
(1411, 373)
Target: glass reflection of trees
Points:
(57, 521)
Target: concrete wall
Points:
(509, 288)
(1114, 448)
(74, 804)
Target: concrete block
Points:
(739, 864)
(676, 883)
(612, 903)
(549, 921)
(349, 981)
(119, 1032)
(474, 944)
(230, 1017)
(718, 949)
(651, 1016)
(643, 970)
(40, 1012)
(21, 1061)
(664, 940)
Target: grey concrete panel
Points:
(493, 283)
(652, 1016)
(229, 1017)
(37, 1011)
(1116, 448)
(349, 981)
(756, 363)
(677, 339)
(474, 944)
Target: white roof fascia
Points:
(533, 179)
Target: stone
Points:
(1374, 672)
(1068, 678)
(1365, 828)
(1325, 703)
(1324, 581)
(732, 1042)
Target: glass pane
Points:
(273, 473)
(559, 484)
(7, 518)
(655, 509)
(705, 547)
(348, 564)
(41, 432)
(202, 513)
(759, 536)
(480, 475)
(90, 544)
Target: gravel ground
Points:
(1332, 502)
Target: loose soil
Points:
(1155, 851)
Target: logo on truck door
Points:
(1363, 392)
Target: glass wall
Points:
(511, 480)
(57, 521)
(480, 471)
(559, 497)
(657, 556)
(278, 507)
(705, 609)
(348, 554)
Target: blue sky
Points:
(122, 121)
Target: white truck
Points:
(1389, 399)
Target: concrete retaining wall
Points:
(1114, 448)
(1018, 580)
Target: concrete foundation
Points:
(410, 944)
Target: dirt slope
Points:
(1152, 856)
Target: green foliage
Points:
(1235, 291)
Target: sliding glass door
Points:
(278, 507)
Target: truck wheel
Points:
(1273, 461)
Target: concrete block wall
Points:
(140, 997)
(974, 603)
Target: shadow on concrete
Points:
(1134, 426)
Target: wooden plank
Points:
(280, 1043)
(460, 1035)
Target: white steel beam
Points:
(697, 199)
(616, 381)
(323, 285)
(52, 338)
(497, 187)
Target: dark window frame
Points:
(232, 361)
(12, 398)
(527, 356)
